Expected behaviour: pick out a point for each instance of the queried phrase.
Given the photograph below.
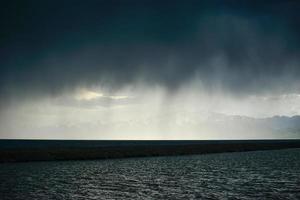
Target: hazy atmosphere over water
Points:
(150, 69)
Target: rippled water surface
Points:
(245, 175)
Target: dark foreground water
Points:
(244, 175)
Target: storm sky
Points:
(129, 69)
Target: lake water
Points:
(243, 175)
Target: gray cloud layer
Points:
(242, 47)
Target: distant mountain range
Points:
(279, 126)
(217, 125)
(210, 125)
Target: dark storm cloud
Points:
(244, 46)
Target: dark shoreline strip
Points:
(50, 150)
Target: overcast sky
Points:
(129, 69)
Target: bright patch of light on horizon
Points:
(87, 95)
